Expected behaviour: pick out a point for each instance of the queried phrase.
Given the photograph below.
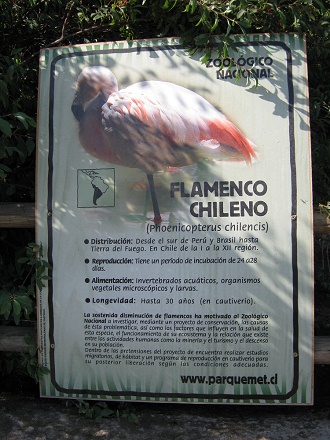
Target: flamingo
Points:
(151, 125)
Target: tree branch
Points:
(65, 37)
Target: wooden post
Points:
(17, 215)
(12, 338)
(322, 350)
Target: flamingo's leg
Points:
(158, 218)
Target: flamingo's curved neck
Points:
(91, 131)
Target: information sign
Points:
(174, 207)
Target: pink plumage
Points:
(152, 125)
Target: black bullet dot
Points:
(87, 300)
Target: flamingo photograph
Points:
(152, 126)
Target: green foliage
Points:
(318, 56)
(15, 364)
(17, 289)
(18, 305)
(325, 208)
(322, 262)
(95, 411)
(29, 361)
(322, 283)
(101, 410)
(200, 20)
(17, 131)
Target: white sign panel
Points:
(174, 205)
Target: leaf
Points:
(40, 270)
(320, 5)
(228, 28)
(45, 263)
(17, 319)
(282, 18)
(10, 72)
(24, 301)
(25, 119)
(3, 87)
(106, 412)
(40, 285)
(202, 19)
(16, 307)
(225, 54)
(206, 57)
(193, 4)
(5, 127)
(202, 39)
(169, 5)
(240, 13)
(5, 168)
(42, 371)
(133, 418)
(23, 260)
(30, 369)
(245, 24)
(5, 307)
(216, 22)
(30, 146)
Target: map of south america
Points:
(95, 187)
(100, 187)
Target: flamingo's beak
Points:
(77, 107)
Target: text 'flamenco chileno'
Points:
(236, 208)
